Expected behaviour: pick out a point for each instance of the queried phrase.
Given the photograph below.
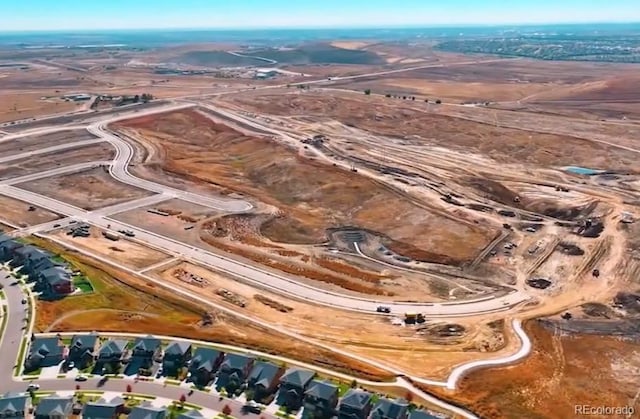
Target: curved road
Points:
(10, 346)
(246, 272)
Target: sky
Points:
(240, 14)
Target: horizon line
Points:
(336, 27)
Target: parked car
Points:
(33, 387)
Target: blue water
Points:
(583, 170)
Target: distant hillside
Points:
(320, 54)
(308, 54)
(214, 59)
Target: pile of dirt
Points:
(540, 283)
(628, 301)
(598, 310)
(570, 249)
(311, 196)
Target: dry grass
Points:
(29, 105)
(560, 373)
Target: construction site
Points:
(393, 225)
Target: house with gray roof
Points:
(320, 400)
(44, 352)
(54, 282)
(54, 407)
(144, 351)
(82, 351)
(110, 356)
(293, 385)
(204, 364)
(147, 411)
(356, 404)
(192, 414)
(28, 256)
(390, 409)
(8, 246)
(14, 405)
(44, 264)
(263, 379)
(233, 372)
(421, 414)
(176, 356)
(103, 409)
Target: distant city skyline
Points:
(31, 15)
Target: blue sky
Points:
(115, 14)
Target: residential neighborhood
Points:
(262, 384)
(53, 278)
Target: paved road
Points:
(10, 345)
(245, 272)
(260, 277)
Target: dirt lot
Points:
(90, 189)
(44, 162)
(16, 212)
(320, 197)
(35, 142)
(128, 304)
(125, 252)
(417, 349)
(563, 371)
(180, 216)
(18, 106)
(456, 128)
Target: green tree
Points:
(438, 101)
(367, 92)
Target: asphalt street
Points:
(10, 345)
(244, 271)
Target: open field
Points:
(453, 128)
(562, 371)
(36, 142)
(43, 162)
(264, 169)
(128, 304)
(426, 350)
(17, 212)
(90, 189)
(17, 106)
(123, 251)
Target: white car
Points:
(81, 378)
(33, 387)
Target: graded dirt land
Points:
(428, 349)
(90, 189)
(486, 133)
(43, 162)
(309, 196)
(36, 142)
(122, 251)
(125, 303)
(18, 213)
